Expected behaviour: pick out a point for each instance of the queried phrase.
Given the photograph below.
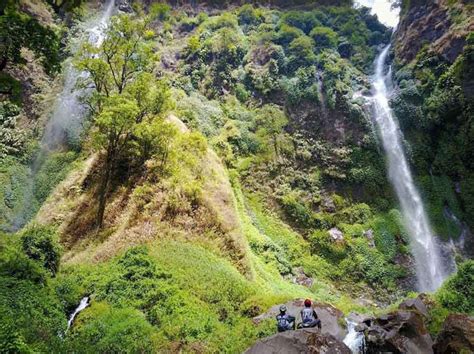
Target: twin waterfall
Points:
(430, 269)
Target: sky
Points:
(383, 11)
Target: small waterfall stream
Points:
(82, 305)
(430, 269)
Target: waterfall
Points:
(430, 270)
(66, 121)
(82, 305)
(354, 340)
(69, 112)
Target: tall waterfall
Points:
(430, 269)
(65, 124)
(68, 114)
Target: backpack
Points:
(282, 322)
(307, 315)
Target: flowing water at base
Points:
(354, 340)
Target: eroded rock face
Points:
(300, 341)
(430, 21)
(401, 331)
(457, 335)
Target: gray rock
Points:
(457, 335)
(399, 332)
(299, 341)
(414, 305)
(124, 6)
(369, 235)
(336, 234)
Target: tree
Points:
(113, 129)
(19, 30)
(128, 102)
(270, 121)
(125, 53)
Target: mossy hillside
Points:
(23, 191)
(433, 104)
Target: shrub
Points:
(457, 293)
(324, 37)
(53, 169)
(323, 245)
(356, 214)
(288, 34)
(304, 20)
(39, 243)
(301, 52)
(105, 329)
(160, 11)
(248, 15)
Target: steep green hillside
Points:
(228, 164)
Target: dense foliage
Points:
(434, 106)
(228, 164)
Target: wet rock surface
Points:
(299, 341)
(457, 335)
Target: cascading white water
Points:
(69, 112)
(430, 270)
(82, 305)
(65, 124)
(354, 340)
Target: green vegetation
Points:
(19, 30)
(228, 165)
(434, 109)
(457, 293)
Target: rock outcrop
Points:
(329, 315)
(457, 335)
(434, 22)
(299, 341)
(400, 331)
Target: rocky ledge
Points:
(400, 331)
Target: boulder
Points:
(414, 305)
(299, 341)
(400, 331)
(369, 235)
(457, 335)
(124, 6)
(329, 315)
(336, 234)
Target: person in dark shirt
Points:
(309, 318)
(285, 322)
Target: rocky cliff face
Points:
(441, 24)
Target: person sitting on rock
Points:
(309, 318)
(285, 322)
